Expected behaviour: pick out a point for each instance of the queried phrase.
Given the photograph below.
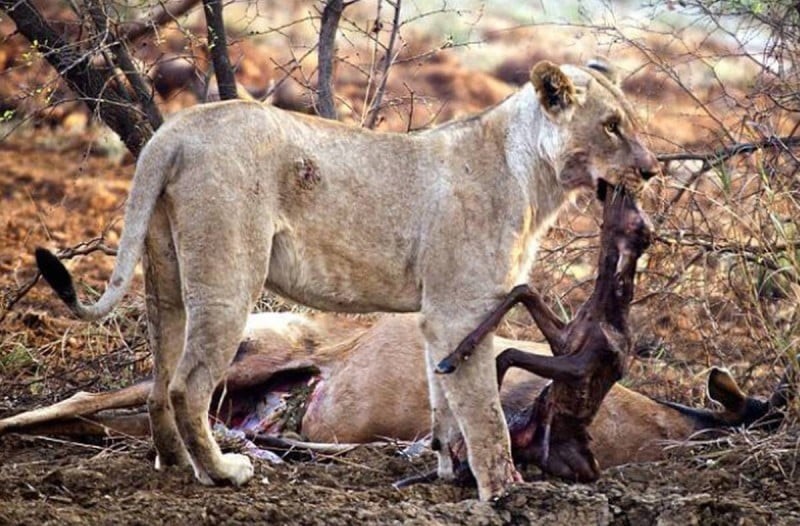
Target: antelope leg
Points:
(550, 325)
(568, 368)
(79, 404)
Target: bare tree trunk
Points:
(217, 43)
(94, 86)
(326, 106)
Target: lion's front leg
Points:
(473, 400)
(444, 428)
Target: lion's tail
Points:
(154, 168)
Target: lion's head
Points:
(602, 131)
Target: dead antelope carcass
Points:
(322, 368)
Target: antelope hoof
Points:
(573, 461)
(446, 366)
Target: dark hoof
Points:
(446, 366)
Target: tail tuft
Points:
(57, 275)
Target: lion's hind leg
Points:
(166, 321)
(223, 270)
(213, 332)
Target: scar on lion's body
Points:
(307, 173)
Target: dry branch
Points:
(326, 51)
(763, 255)
(388, 59)
(143, 93)
(93, 86)
(160, 15)
(83, 248)
(717, 157)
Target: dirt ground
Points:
(53, 482)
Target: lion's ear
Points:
(556, 90)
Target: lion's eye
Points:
(612, 127)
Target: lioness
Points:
(229, 196)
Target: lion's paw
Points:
(236, 468)
(180, 460)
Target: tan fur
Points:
(366, 397)
(233, 195)
(373, 386)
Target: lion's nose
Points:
(648, 173)
(648, 165)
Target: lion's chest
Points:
(526, 246)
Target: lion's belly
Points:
(340, 275)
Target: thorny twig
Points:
(388, 59)
(754, 253)
(160, 15)
(410, 107)
(713, 159)
(288, 70)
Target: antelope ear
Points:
(722, 388)
(556, 90)
(600, 65)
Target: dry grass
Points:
(46, 359)
(771, 455)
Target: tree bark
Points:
(218, 45)
(143, 93)
(326, 106)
